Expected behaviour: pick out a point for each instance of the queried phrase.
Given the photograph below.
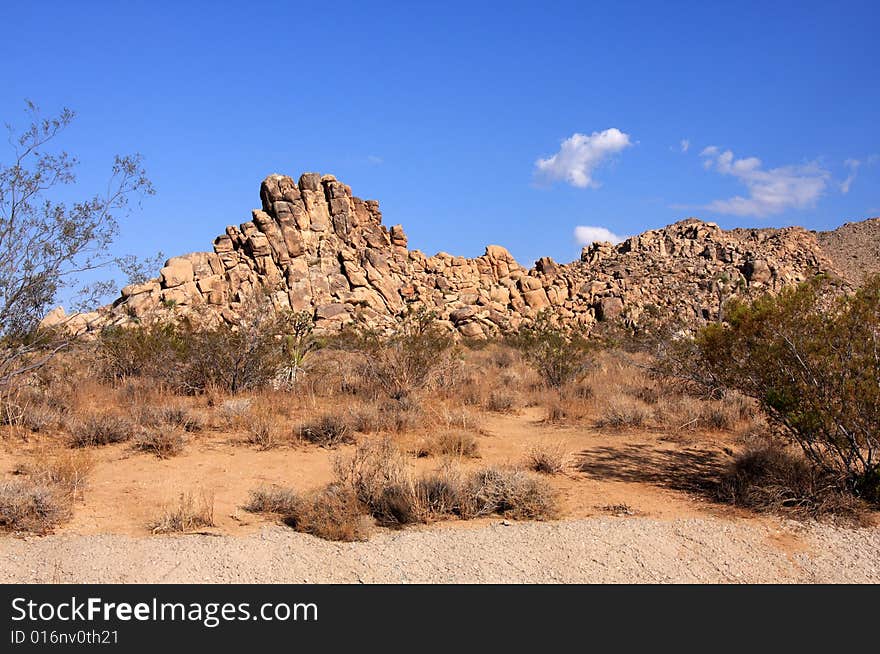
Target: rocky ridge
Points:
(313, 246)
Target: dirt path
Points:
(588, 550)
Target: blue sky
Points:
(472, 123)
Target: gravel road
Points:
(590, 550)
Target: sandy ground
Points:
(632, 506)
(609, 549)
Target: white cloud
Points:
(580, 155)
(769, 191)
(853, 166)
(586, 234)
(373, 159)
(685, 145)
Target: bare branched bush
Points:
(189, 513)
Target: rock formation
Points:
(315, 247)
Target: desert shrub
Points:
(772, 478)
(33, 506)
(409, 359)
(451, 443)
(29, 410)
(381, 478)
(440, 494)
(622, 412)
(387, 416)
(66, 471)
(234, 410)
(328, 430)
(547, 459)
(170, 415)
(273, 499)
(500, 401)
(508, 491)
(558, 357)
(188, 513)
(263, 431)
(102, 429)
(332, 513)
(810, 359)
(164, 443)
(152, 351)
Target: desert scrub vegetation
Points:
(548, 459)
(774, 478)
(327, 430)
(42, 495)
(559, 357)
(102, 429)
(450, 443)
(809, 356)
(164, 443)
(190, 512)
(273, 499)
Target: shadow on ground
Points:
(692, 470)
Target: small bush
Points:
(623, 413)
(164, 443)
(173, 415)
(547, 459)
(274, 499)
(66, 471)
(263, 432)
(500, 401)
(187, 514)
(102, 429)
(509, 492)
(327, 431)
(559, 357)
(32, 506)
(451, 443)
(772, 478)
(332, 513)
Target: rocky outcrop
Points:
(313, 246)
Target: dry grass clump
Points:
(172, 415)
(164, 443)
(548, 459)
(264, 432)
(500, 401)
(29, 411)
(187, 514)
(450, 443)
(333, 513)
(44, 495)
(387, 416)
(775, 479)
(328, 430)
(32, 505)
(102, 429)
(273, 499)
(510, 492)
(623, 412)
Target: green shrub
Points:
(559, 357)
(810, 358)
